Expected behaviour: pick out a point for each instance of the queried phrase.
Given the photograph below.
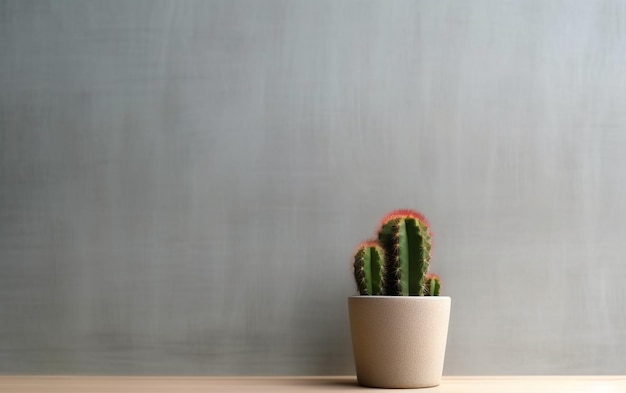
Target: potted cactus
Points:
(399, 323)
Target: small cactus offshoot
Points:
(397, 263)
(432, 285)
(368, 267)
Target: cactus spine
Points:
(396, 264)
(368, 267)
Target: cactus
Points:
(368, 267)
(404, 245)
(405, 237)
(432, 286)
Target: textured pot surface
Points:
(399, 341)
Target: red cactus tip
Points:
(405, 213)
(368, 243)
(365, 245)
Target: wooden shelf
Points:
(72, 384)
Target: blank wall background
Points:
(182, 183)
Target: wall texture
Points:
(182, 183)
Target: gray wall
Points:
(182, 183)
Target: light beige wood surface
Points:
(70, 384)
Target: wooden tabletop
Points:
(72, 384)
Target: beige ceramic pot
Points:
(399, 341)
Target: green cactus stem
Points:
(406, 241)
(432, 285)
(368, 267)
